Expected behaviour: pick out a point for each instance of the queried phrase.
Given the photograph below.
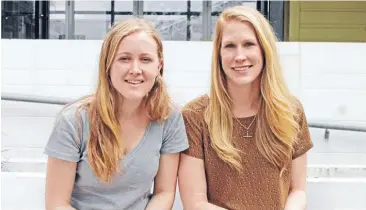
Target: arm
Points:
(165, 183)
(192, 184)
(63, 150)
(59, 184)
(297, 197)
(174, 141)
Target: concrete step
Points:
(322, 165)
(24, 165)
(336, 193)
(314, 158)
(336, 170)
(22, 152)
(343, 158)
(314, 171)
(323, 193)
(29, 187)
(22, 190)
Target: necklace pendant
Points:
(247, 135)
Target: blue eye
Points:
(124, 58)
(248, 44)
(146, 60)
(229, 46)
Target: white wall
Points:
(329, 79)
(68, 68)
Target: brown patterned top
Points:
(260, 186)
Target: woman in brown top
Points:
(249, 137)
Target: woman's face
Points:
(136, 66)
(241, 53)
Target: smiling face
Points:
(135, 66)
(241, 53)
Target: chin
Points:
(133, 97)
(244, 81)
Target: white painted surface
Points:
(327, 194)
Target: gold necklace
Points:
(247, 128)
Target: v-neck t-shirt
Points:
(130, 189)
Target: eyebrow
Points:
(224, 42)
(148, 54)
(127, 53)
(121, 53)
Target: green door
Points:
(330, 21)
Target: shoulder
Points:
(72, 114)
(302, 126)
(174, 117)
(298, 109)
(196, 107)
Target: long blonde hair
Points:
(277, 126)
(105, 146)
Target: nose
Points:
(240, 55)
(135, 68)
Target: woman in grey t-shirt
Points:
(106, 150)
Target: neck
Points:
(245, 99)
(131, 109)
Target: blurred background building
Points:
(181, 20)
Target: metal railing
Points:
(35, 99)
(63, 101)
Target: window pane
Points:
(171, 27)
(123, 6)
(219, 6)
(92, 5)
(174, 26)
(57, 6)
(165, 6)
(214, 19)
(123, 17)
(118, 18)
(18, 20)
(196, 5)
(91, 23)
(196, 28)
(57, 27)
(91, 26)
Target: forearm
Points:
(296, 200)
(61, 207)
(197, 201)
(204, 205)
(163, 201)
(58, 205)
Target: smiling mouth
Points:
(241, 68)
(134, 82)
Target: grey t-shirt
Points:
(130, 190)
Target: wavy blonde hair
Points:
(277, 126)
(105, 146)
